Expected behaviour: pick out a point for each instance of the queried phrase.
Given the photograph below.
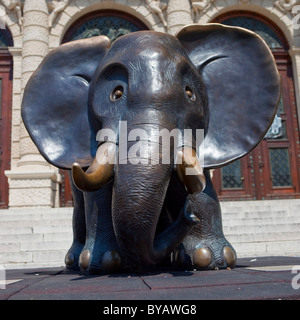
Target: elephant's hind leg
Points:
(206, 244)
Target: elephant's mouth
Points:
(188, 169)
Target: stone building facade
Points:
(35, 27)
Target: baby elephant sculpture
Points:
(130, 213)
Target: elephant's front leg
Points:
(206, 244)
(79, 228)
(101, 252)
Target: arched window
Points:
(260, 27)
(110, 23)
(271, 171)
(6, 65)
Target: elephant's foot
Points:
(92, 257)
(214, 255)
(96, 259)
(206, 246)
(206, 254)
(109, 262)
(100, 252)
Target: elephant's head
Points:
(212, 77)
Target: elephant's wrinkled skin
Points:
(131, 216)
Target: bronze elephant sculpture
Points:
(131, 214)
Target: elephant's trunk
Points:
(138, 197)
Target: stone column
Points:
(179, 15)
(33, 182)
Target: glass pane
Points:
(280, 167)
(110, 26)
(278, 128)
(257, 26)
(232, 175)
(5, 38)
(280, 106)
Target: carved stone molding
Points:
(55, 8)
(199, 6)
(286, 6)
(157, 7)
(15, 6)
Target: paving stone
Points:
(161, 287)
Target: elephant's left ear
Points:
(55, 102)
(242, 84)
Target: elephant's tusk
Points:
(189, 170)
(99, 172)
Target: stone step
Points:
(261, 237)
(36, 237)
(266, 228)
(237, 228)
(261, 221)
(257, 204)
(37, 220)
(59, 236)
(32, 246)
(35, 229)
(228, 215)
(274, 207)
(267, 248)
(248, 214)
(34, 265)
(37, 215)
(63, 225)
(16, 259)
(45, 213)
(16, 238)
(34, 224)
(55, 240)
(41, 237)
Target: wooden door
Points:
(272, 170)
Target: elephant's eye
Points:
(189, 93)
(117, 93)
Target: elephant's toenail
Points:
(202, 257)
(229, 256)
(69, 259)
(111, 261)
(84, 259)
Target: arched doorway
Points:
(113, 24)
(6, 74)
(272, 170)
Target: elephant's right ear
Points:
(54, 107)
(242, 85)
